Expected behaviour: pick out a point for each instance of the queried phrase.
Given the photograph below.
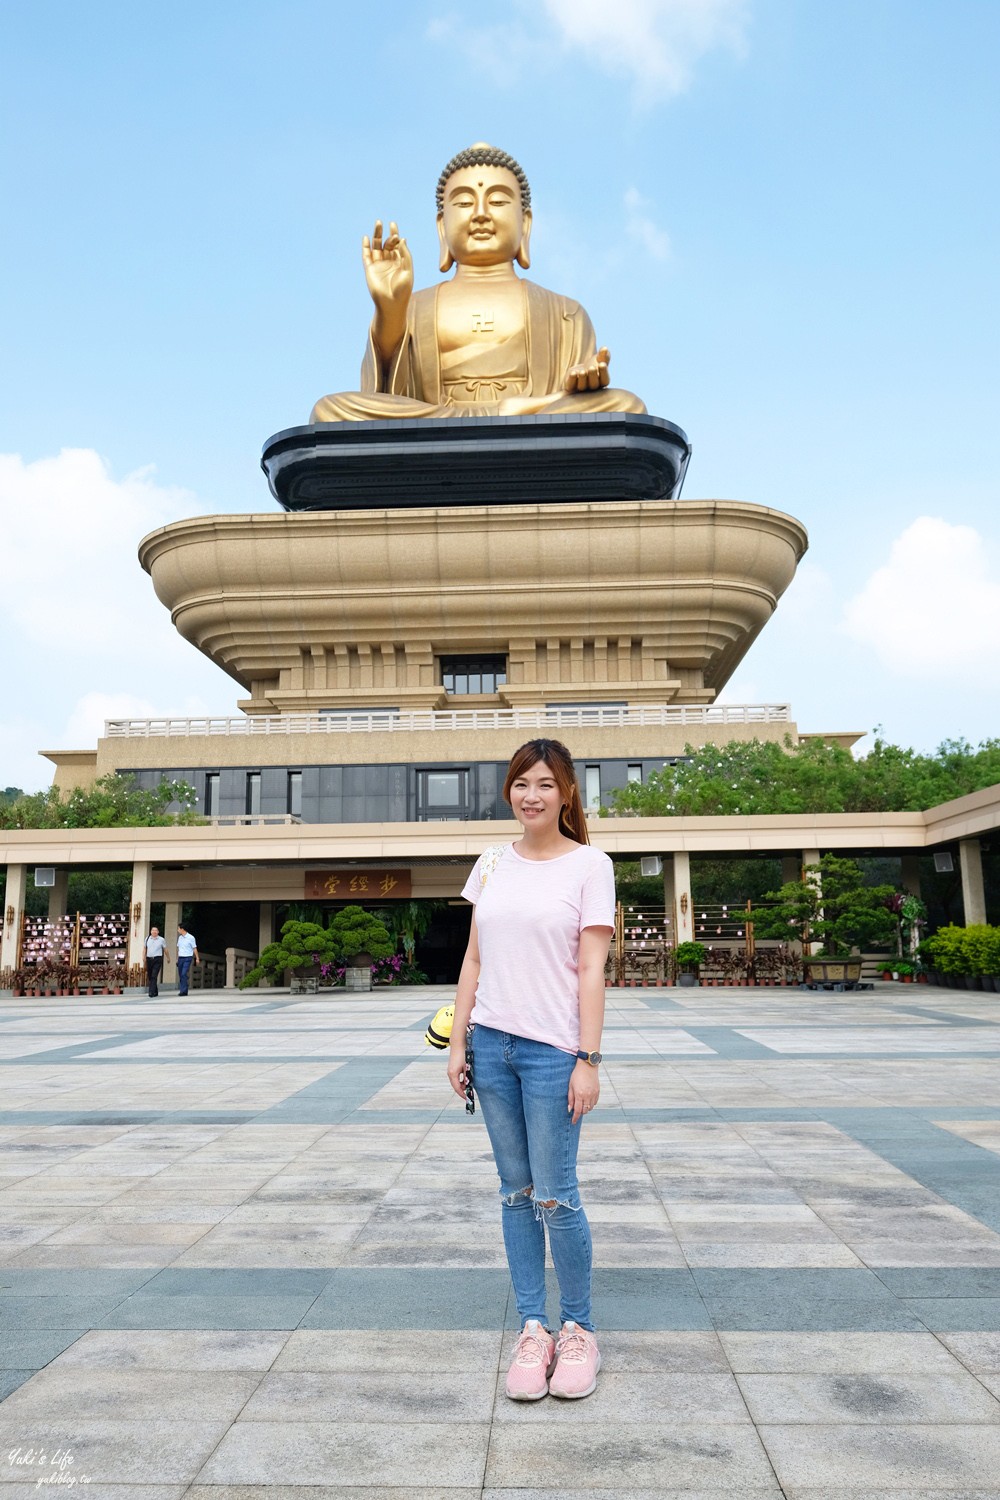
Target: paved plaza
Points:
(250, 1247)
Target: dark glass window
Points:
(443, 796)
(635, 773)
(253, 792)
(473, 674)
(212, 794)
(295, 793)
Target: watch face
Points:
(595, 1057)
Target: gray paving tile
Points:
(31, 1348)
(338, 1396)
(161, 1349)
(867, 1397)
(349, 1453)
(816, 1314)
(696, 1456)
(842, 1353)
(11, 1379)
(808, 1492)
(54, 1312)
(946, 1314)
(750, 1491)
(621, 1399)
(891, 1457)
(104, 1491)
(977, 1351)
(411, 1299)
(407, 1351)
(122, 1452)
(640, 1352)
(204, 1312)
(57, 1396)
(199, 1281)
(94, 1283)
(326, 1492)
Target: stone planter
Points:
(687, 981)
(832, 970)
(358, 974)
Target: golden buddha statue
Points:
(486, 343)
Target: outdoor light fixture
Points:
(684, 903)
(137, 914)
(10, 916)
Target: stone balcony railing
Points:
(388, 721)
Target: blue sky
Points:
(781, 215)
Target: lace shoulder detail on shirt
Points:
(489, 859)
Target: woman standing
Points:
(532, 984)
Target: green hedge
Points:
(963, 950)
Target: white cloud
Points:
(641, 229)
(932, 612)
(653, 44)
(71, 579)
(85, 636)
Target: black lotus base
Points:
(603, 456)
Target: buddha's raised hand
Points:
(388, 269)
(590, 375)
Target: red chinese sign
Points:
(358, 885)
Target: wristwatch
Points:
(591, 1057)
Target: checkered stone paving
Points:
(250, 1246)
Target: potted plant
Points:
(903, 969)
(305, 949)
(689, 957)
(361, 939)
(831, 905)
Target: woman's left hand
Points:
(584, 1089)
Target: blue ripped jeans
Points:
(522, 1087)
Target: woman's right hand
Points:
(456, 1070)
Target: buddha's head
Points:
(484, 209)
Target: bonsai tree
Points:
(300, 945)
(690, 956)
(307, 944)
(355, 931)
(832, 906)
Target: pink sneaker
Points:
(578, 1360)
(534, 1357)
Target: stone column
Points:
(973, 893)
(13, 910)
(682, 894)
(265, 933)
(171, 917)
(668, 894)
(58, 894)
(812, 857)
(138, 913)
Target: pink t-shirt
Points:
(529, 916)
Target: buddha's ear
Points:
(446, 261)
(523, 255)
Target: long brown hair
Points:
(552, 753)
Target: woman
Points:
(532, 984)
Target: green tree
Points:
(352, 930)
(831, 906)
(113, 801)
(813, 776)
(408, 920)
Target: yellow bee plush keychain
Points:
(438, 1033)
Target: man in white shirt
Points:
(187, 951)
(156, 952)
